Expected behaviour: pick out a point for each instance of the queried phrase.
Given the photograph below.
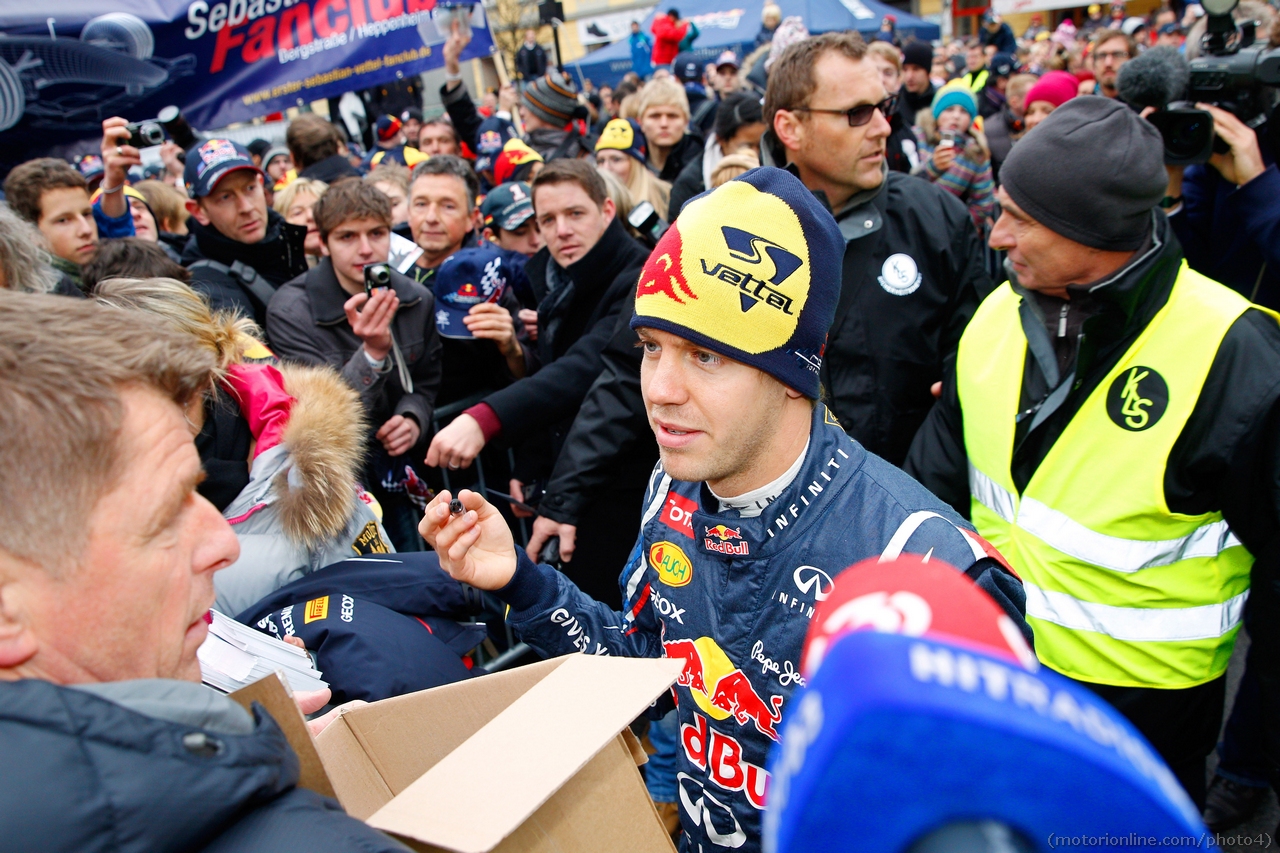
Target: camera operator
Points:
(1227, 213)
(384, 341)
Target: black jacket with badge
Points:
(575, 321)
(913, 275)
(243, 277)
(157, 766)
(306, 323)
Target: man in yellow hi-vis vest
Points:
(1112, 428)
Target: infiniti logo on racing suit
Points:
(812, 580)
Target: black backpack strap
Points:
(246, 276)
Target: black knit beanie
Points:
(1092, 171)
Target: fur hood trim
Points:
(325, 439)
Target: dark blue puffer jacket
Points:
(85, 774)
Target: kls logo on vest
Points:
(1137, 398)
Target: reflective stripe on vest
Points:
(1120, 589)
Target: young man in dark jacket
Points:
(531, 59)
(106, 571)
(583, 277)
(384, 344)
(316, 147)
(759, 501)
(240, 250)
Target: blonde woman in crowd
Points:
(621, 150)
(294, 203)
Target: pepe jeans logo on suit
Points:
(1137, 398)
(899, 275)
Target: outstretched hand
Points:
(475, 547)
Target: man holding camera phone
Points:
(383, 340)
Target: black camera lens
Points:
(377, 275)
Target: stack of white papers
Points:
(234, 656)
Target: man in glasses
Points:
(912, 271)
(1111, 49)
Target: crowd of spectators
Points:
(356, 331)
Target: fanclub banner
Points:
(67, 66)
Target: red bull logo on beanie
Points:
(725, 540)
(720, 688)
(663, 273)
(725, 282)
(671, 563)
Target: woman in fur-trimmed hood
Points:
(282, 447)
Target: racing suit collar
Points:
(830, 461)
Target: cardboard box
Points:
(535, 759)
(277, 700)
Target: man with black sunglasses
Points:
(913, 268)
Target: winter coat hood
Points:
(303, 508)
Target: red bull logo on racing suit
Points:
(720, 688)
(725, 540)
(721, 691)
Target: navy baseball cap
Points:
(687, 68)
(508, 206)
(466, 278)
(387, 127)
(211, 161)
(89, 166)
(1003, 64)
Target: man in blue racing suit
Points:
(759, 500)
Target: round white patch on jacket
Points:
(900, 276)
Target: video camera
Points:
(1231, 73)
(144, 134)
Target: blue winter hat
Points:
(466, 279)
(955, 94)
(972, 737)
(716, 280)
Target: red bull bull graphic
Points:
(671, 563)
(720, 756)
(720, 688)
(725, 540)
(663, 274)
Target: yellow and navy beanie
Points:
(716, 280)
(624, 134)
